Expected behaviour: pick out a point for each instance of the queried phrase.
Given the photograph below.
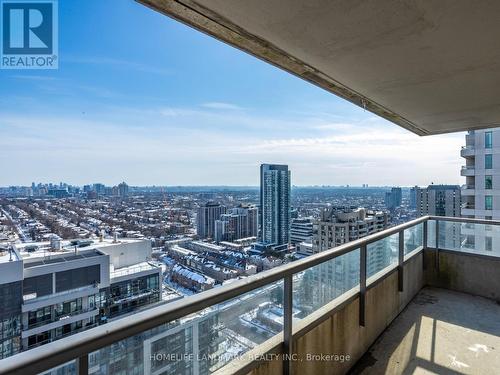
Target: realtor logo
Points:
(29, 35)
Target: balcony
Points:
(59, 321)
(468, 190)
(467, 151)
(470, 139)
(424, 282)
(468, 206)
(467, 171)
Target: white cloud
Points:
(221, 105)
(199, 146)
(113, 62)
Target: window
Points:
(487, 139)
(488, 202)
(488, 161)
(488, 182)
(75, 278)
(488, 243)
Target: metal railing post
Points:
(287, 324)
(437, 245)
(82, 364)
(425, 242)
(401, 259)
(362, 284)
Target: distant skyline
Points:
(141, 98)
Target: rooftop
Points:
(69, 249)
(134, 268)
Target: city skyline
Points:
(183, 110)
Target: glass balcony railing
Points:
(230, 326)
(57, 317)
(476, 237)
(470, 206)
(468, 187)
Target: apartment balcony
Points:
(467, 151)
(59, 322)
(467, 171)
(468, 190)
(468, 206)
(427, 289)
(470, 139)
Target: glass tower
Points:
(274, 214)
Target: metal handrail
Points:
(78, 346)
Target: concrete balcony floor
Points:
(439, 332)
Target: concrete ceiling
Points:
(430, 66)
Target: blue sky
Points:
(142, 98)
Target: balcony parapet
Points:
(467, 151)
(403, 277)
(467, 171)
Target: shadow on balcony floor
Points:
(440, 332)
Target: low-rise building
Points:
(54, 289)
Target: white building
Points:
(58, 288)
(481, 192)
(301, 230)
(338, 225)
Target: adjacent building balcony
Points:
(470, 139)
(467, 171)
(468, 190)
(427, 289)
(467, 151)
(468, 209)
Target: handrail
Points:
(79, 345)
(464, 220)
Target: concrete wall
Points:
(101, 260)
(124, 254)
(466, 273)
(11, 271)
(341, 333)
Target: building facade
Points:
(50, 290)
(301, 230)
(481, 191)
(206, 217)
(275, 209)
(393, 198)
(240, 222)
(438, 200)
(336, 226)
(122, 190)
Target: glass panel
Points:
(319, 285)
(200, 343)
(488, 202)
(470, 237)
(68, 368)
(382, 254)
(488, 182)
(488, 161)
(487, 140)
(413, 238)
